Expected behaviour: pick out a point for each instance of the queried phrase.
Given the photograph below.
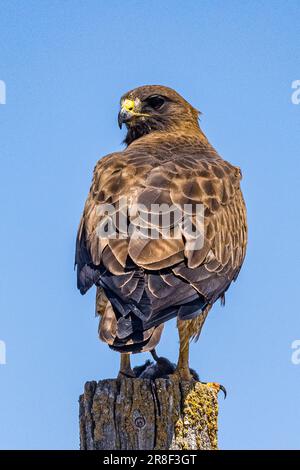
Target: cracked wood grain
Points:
(139, 414)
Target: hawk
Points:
(168, 168)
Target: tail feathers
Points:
(127, 334)
(133, 323)
(151, 342)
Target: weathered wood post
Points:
(139, 414)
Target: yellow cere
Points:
(128, 105)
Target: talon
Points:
(183, 375)
(125, 368)
(223, 390)
(217, 387)
(154, 355)
(125, 375)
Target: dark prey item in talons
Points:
(162, 369)
(159, 370)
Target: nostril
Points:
(128, 105)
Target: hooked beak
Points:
(127, 111)
(123, 117)
(130, 109)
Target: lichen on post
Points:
(197, 426)
(140, 414)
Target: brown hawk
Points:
(168, 168)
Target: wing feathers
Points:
(160, 273)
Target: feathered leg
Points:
(107, 331)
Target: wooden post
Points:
(139, 414)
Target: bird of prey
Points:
(168, 168)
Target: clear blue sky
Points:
(65, 65)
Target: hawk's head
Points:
(155, 108)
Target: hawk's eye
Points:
(156, 102)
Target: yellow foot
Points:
(182, 375)
(126, 374)
(216, 386)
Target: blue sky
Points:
(65, 64)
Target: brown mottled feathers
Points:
(148, 281)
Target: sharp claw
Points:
(125, 375)
(154, 355)
(217, 387)
(224, 391)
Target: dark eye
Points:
(156, 102)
